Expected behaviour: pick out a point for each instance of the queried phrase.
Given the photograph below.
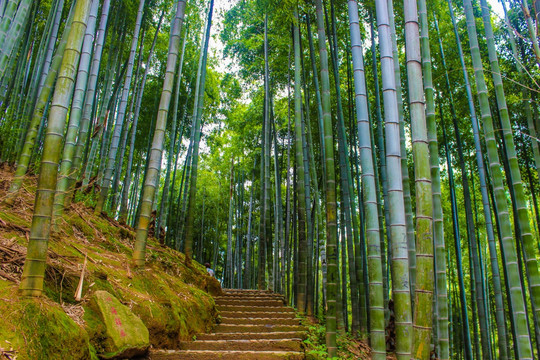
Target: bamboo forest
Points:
(270, 179)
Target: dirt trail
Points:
(254, 325)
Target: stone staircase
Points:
(254, 325)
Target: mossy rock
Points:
(38, 328)
(212, 286)
(126, 334)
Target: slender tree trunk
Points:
(525, 93)
(496, 279)
(288, 190)
(318, 95)
(331, 209)
(89, 100)
(125, 131)
(127, 179)
(441, 301)
(522, 213)
(34, 267)
(197, 112)
(172, 139)
(309, 176)
(411, 243)
(518, 305)
(75, 114)
(376, 303)
(383, 206)
(37, 115)
(120, 123)
(229, 260)
(400, 262)
(278, 215)
(302, 241)
(157, 148)
(9, 40)
(249, 241)
(457, 243)
(348, 200)
(530, 27)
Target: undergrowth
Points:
(348, 346)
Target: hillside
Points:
(171, 299)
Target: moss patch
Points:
(39, 328)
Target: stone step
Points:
(249, 302)
(225, 355)
(243, 308)
(250, 297)
(250, 345)
(259, 321)
(232, 328)
(236, 291)
(258, 335)
(243, 295)
(260, 314)
(247, 290)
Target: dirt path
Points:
(255, 325)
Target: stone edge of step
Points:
(255, 352)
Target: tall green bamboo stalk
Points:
(400, 262)
(197, 113)
(34, 266)
(525, 92)
(466, 334)
(266, 152)
(7, 19)
(522, 218)
(330, 197)
(37, 115)
(126, 128)
(90, 96)
(424, 287)
(10, 38)
(376, 303)
(530, 27)
(248, 269)
(112, 157)
(380, 174)
(496, 279)
(279, 247)
(309, 180)
(75, 114)
(50, 46)
(317, 91)
(411, 243)
(302, 241)
(348, 199)
(154, 161)
(163, 209)
(129, 165)
(441, 300)
(522, 340)
(228, 277)
(288, 182)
